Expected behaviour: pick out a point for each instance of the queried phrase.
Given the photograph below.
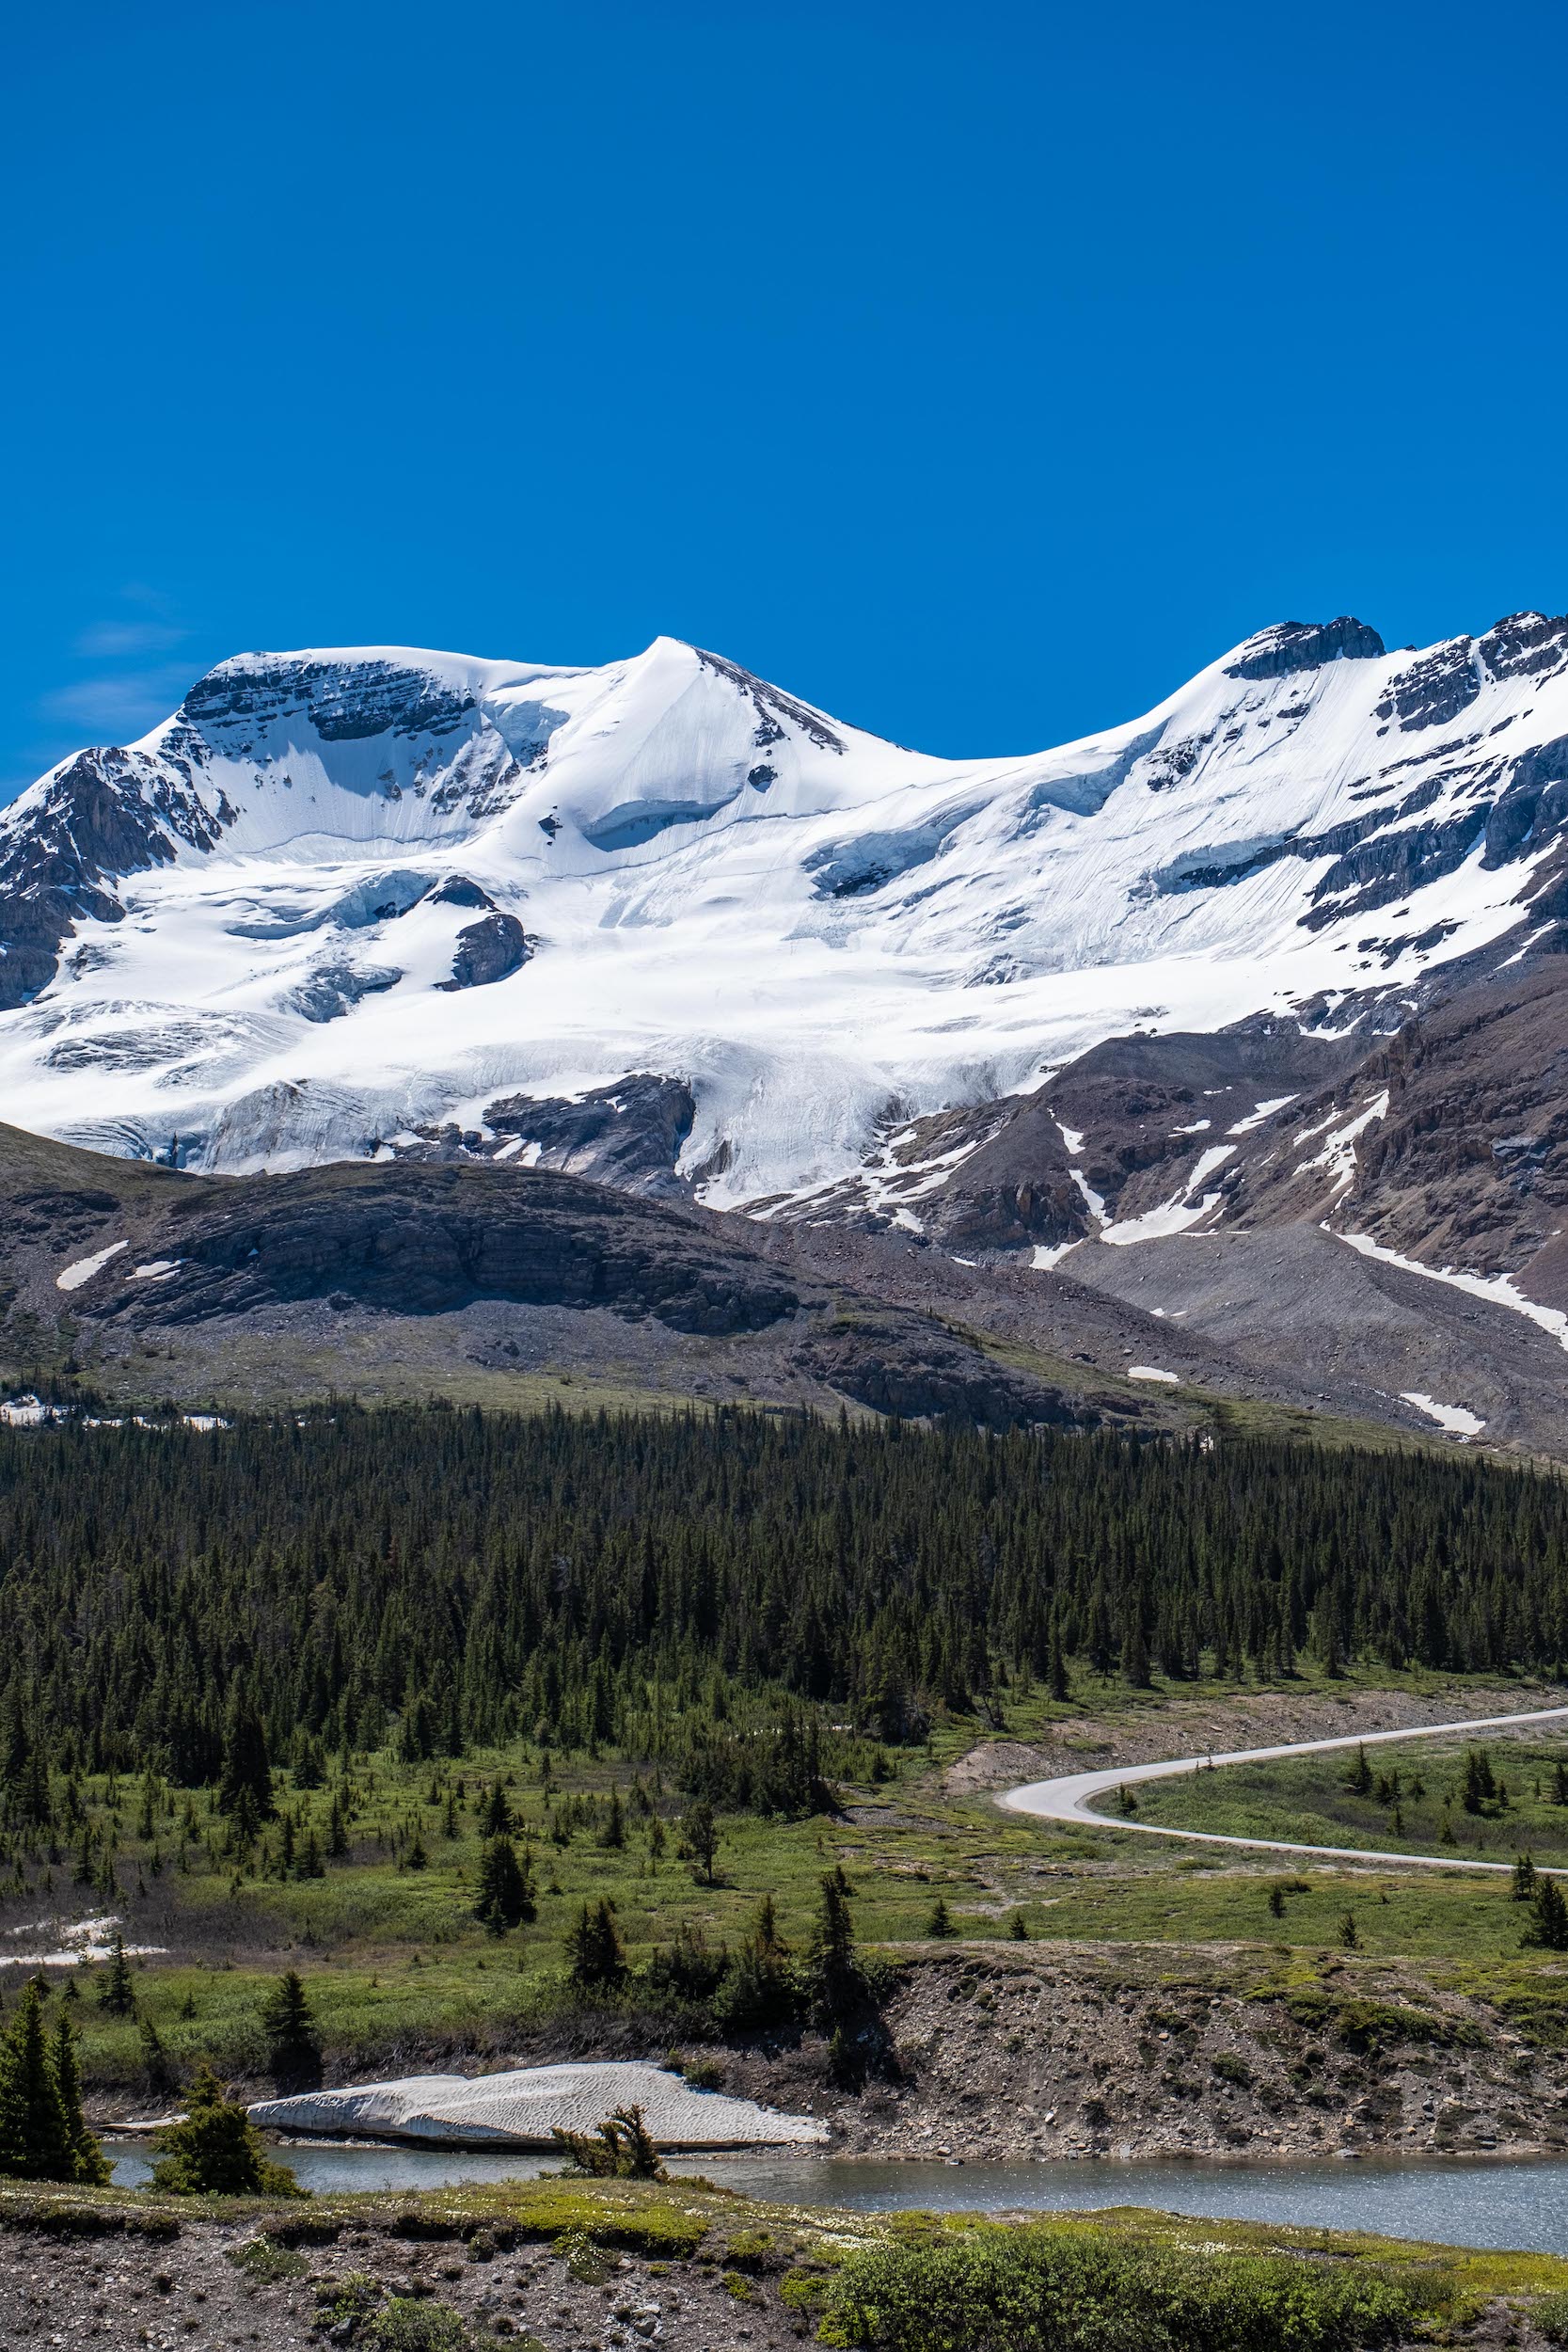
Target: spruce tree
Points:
(1479, 1786)
(758, 1990)
(93, 2169)
(117, 1991)
(594, 1949)
(506, 1896)
(294, 2043)
(700, 1837)
(37, 2142)
(157, 2073)
(246, 1770)
(1550, 1928)
(495, 1819)
(837, 1982)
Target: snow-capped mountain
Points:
(345, 899)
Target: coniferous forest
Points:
(447, 1577)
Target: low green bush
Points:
(1550, 2316)
(1047, 2291)
(264, 2259)
(408, 2325)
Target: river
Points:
(1496, 2202)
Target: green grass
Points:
(401, 1973)
(1309, 1799)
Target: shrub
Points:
(620, 2150)
(688, 1968)
(218, 2151)
(1035, 2290)
(1551, 2318)
(267, 2262)
(409, 2326)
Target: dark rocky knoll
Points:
(373, 1244)
(422, 1239)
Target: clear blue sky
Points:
(977, 372)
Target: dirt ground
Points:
(189, 2291)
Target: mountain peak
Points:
(247, 928)
(1304, 646)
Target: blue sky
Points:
(977, 373)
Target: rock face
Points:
(1306, 645)
(422, 1239)
(510, 1268)
(101, 817)
(487, 951)
(879, 1360)
(629, 1135)
(238, 704)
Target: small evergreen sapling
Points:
(217, 2151)
(1549, 1928)
(700, 1838)
(117, 1991)
(594, 1949)
(621, 2149)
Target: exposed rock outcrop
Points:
(1306, 645)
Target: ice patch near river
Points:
(524, 2108)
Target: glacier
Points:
(342, 896)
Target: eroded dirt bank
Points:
(1007, 2052)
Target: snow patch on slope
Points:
(1457, 1419)
(1500, 1289)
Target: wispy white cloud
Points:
(113, 640)
(132, 681)
(117, 704)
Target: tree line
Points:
(448, 1578)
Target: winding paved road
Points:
(1068, 1799)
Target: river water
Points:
(1491, 2202)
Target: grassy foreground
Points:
(892, 2283)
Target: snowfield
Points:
(822, 933)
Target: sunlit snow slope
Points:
(344, 894)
